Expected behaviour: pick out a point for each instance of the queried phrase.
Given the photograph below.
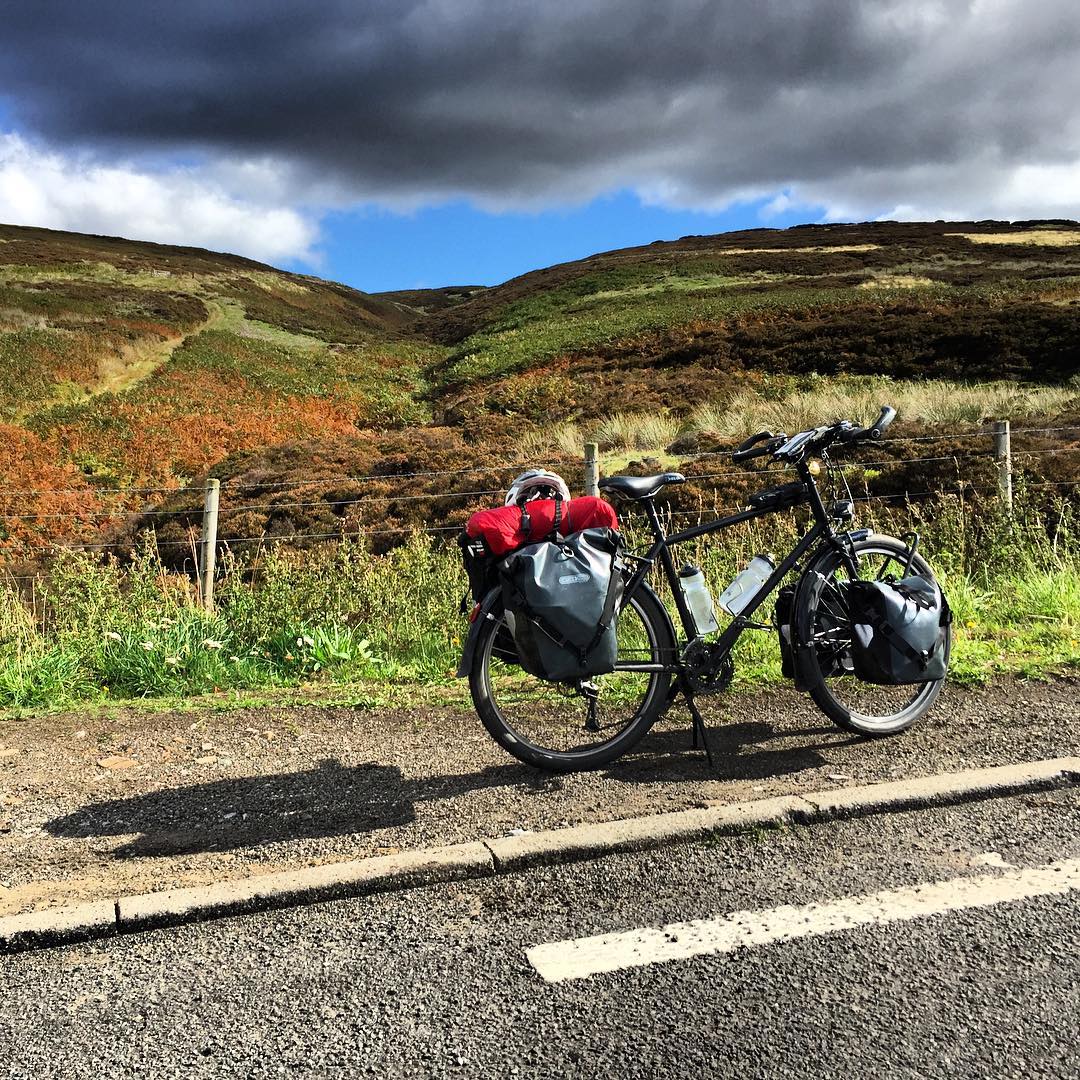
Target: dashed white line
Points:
(578, 958)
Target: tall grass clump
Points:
(626, 432)
(933, 401)
(93, 629)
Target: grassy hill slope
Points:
(132, 364)
(664, 326)
(127, 364)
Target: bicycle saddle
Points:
(639, 487)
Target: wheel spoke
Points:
(554, 718)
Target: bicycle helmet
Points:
(536, 484)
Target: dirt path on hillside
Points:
(93, 806)
(139, 360)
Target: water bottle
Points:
(746, 585)
(698, 599)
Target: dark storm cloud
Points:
(688, 101)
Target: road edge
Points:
(110, 916)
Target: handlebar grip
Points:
(885, 418)
(752, 441)
(753, 452)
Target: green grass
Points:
(544, 327)
(387, 630)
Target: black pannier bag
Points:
(561, 599)
(481, 568)
(785, 601)
(831, 660)
(898, 630)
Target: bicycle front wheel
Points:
(553, 726)
(821, 616)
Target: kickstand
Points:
(700, 739)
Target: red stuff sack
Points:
(506, 528)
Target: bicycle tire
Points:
(840, 696)
(505, 722)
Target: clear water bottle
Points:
(698, 599)
(746, 585)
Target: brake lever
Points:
(885, 418)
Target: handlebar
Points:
(874, 431)
(801, 445)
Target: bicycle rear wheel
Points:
(548, 725)
(821, 616)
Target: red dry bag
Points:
(507, 528)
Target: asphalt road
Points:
(437, 982)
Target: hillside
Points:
(130, 365)
(659, 326)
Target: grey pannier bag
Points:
(898, 630)
(561, 598)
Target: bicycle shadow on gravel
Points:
(737, 750)
(330, 799)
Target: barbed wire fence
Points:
(204, 542)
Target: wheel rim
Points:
(550, 718)
(873, 707)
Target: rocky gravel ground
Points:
(96, 805)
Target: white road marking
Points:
(577, 959)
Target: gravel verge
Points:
(138, 802)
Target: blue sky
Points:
(458, 244)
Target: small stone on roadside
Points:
(116, 763)
(991, 858)
(837, 776)
(210, 759)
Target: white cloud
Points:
(178, 206)
(968, 190)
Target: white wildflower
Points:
(210, 643)
(148, 646)
(172, 661)
(112, 635)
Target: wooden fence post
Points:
(592, 469)
(1003, 457)
(209, 544)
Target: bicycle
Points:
(564, 728)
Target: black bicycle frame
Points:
(822, 530)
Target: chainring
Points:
(708, 669)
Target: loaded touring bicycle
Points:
(863, 627)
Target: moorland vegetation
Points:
(340, 422)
